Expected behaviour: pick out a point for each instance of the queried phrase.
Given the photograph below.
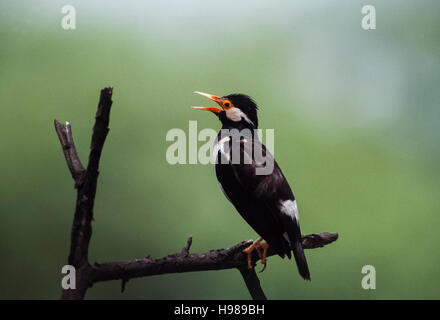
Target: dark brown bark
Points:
(85, 183)
(252, 283)
(232, 258)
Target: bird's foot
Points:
(263, 255)
(255, 245)
(261, 249)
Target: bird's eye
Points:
(227, 104)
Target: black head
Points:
(237, 110)
(245, 104)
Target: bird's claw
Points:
(248, 251)
(261, 251)
(263, 255)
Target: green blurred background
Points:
(355, 113)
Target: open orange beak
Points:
(213, 98)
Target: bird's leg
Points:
(250, 249)
(263, 256)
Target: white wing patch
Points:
(289, 207)
(219, 146)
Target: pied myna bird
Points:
(265, 201)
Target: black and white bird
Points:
(266, 200)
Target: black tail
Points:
(294, 233)
(300, 259)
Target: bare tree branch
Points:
(185, 250)
(85, 183)
(73, 162)
(232, 258)
(252, 283)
